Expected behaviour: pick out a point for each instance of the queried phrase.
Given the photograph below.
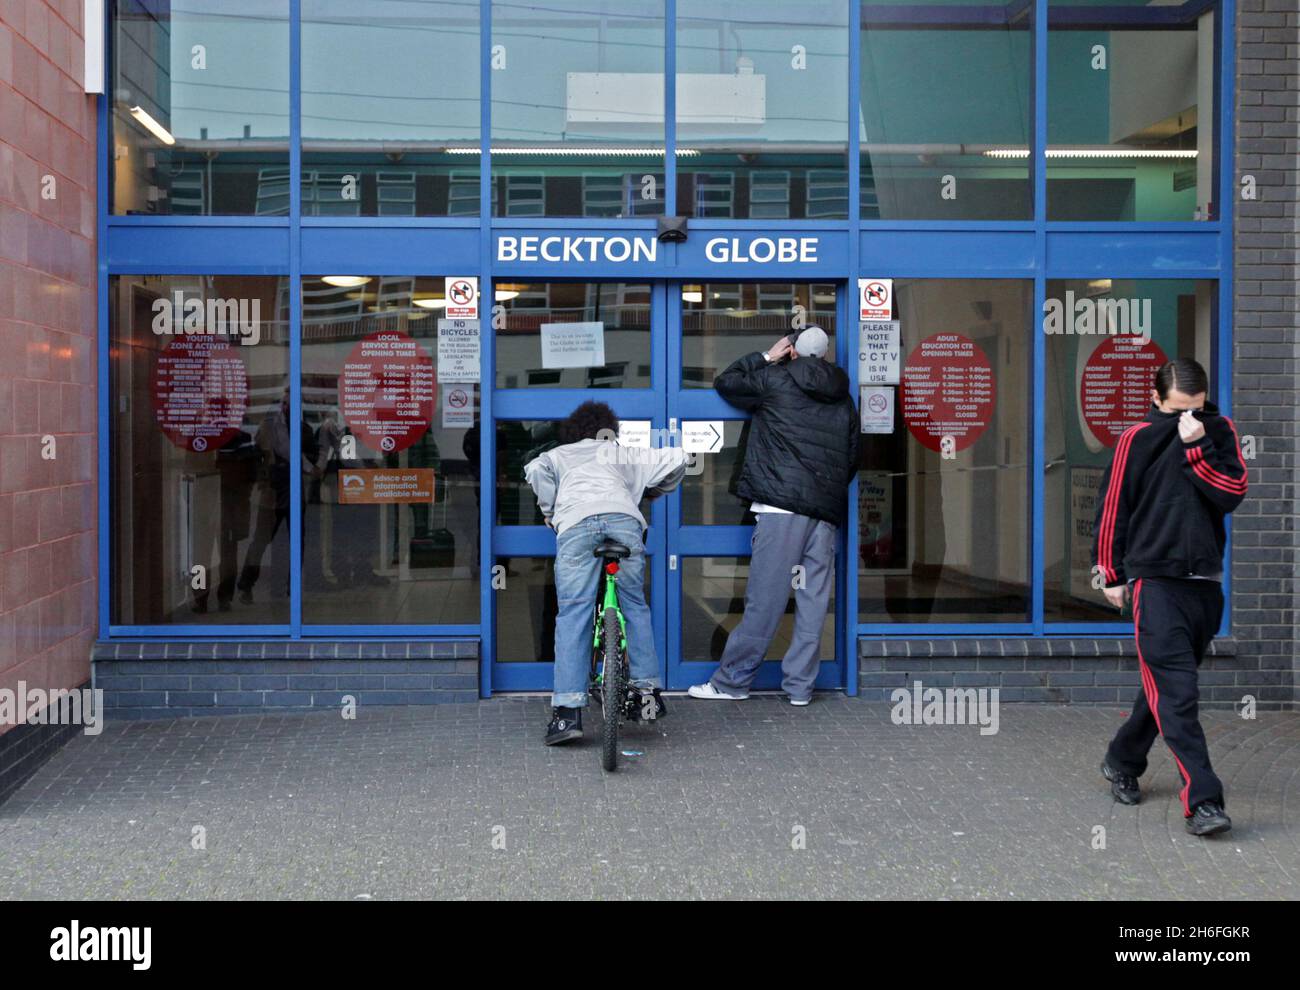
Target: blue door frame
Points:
(668, 542)
(1036, 249)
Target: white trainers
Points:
(709, 692)
(800, 702)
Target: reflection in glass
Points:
(375, 554)
(706, 500)
(578, 108)
(1130, 111)
(573, 335)
(762, 109)
(200, 450)
(1099, 384)
(200, 104)
(723, 321)
(390, 108)
(713, 601)
(526, 609)
(943, 496)
(945, 122)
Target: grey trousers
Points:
(780, 543)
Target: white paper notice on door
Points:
(573, 345)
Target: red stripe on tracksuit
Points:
(1153, 693)
(1106, 539)
(1210, 475)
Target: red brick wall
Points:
(47, 353)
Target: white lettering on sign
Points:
(575, 248)
(788, 250)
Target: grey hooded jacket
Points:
(589, 477)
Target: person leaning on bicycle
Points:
(588, 489)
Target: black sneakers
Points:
(638, 708)
(1207, 818)
(566, 725)
(1123, 786)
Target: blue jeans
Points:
(577, 575)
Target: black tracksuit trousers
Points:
(1174, 620)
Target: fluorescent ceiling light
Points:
(345, 281)
(152, 126)
(504, 294)
(694, 297)
(576, 151)
(431, 303)
(1095, 153)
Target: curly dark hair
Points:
(587, 421)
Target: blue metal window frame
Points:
(1036, 249)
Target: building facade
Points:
(352, 262)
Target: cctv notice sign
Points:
(387, 390)
(879, 352)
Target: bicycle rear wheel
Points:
(613, 692)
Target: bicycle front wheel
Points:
(613, 693)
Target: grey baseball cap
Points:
(812, 343)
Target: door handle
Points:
(672, 561)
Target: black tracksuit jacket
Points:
(1162, 502)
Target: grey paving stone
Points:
(406, 803)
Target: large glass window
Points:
(390, 457)
(1106, 337)
(723, 321)
(945, 119)
(713, 601)
(390, 108)
(573, 335)
(943, 490)
(200, 450)
(762, 109)
(578, 108)
(1130, 111)
(200, 104)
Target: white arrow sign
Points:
(702, 436)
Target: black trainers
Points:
(1123, 786)
(1207, 818)
(566, 725)
(637, 709)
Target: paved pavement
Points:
(405, 803)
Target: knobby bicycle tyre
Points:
(613, 693)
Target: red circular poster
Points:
(948, 391)
(1115, 388)
(387, 390)
(199, 392)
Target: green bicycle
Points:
(609, 665)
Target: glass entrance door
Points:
(651, 351)
(709, 530)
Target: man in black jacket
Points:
(800, 456)
(1160, 531)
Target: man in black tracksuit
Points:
(1159, 531)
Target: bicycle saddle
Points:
(608, 548)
